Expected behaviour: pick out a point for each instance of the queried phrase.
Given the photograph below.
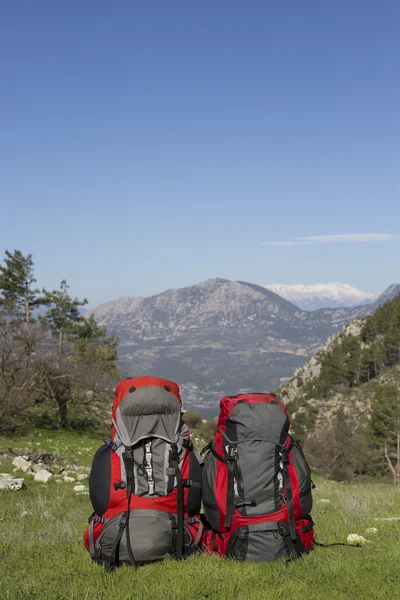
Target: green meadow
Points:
(42, 555)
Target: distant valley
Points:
(219, 337)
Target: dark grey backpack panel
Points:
(259, 542)
(257, 429)
(304, 474)
(151, 535)
(258, 421)
(209, 501)
(193, 505)
(257, 489)
(262, 542)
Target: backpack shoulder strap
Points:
(172, 472)
(289, 493)
(230, 494)
(210, 448)
(190, 446)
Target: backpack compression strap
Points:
(230, 494)
(128, 460)
(172, 472)
(124, 522)
(94, 519)
(289, 494)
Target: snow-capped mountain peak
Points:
(322, 295)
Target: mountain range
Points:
(323, 295)
(219, 337)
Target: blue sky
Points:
(152, 145)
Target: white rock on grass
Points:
(323, 501)
(80, 488)
(21, 463)
(69, 479)
(82, 476)
(371, 530)
(354, 538)
(8, 482)
(43, 476)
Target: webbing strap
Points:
(92, 548)
(180, 499)
(230, 493)
(113, 557)
(218, 456)
(191, 521)
(240, 539)
(110, 444)
(191, 483)
(129, 465)
(289, 494)
(91, 540)
(171, 471)
(241, 502)
(190, 446)
(205, 449)
(200, 534)
(149, 468)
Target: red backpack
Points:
(145, 482)
(256, 483)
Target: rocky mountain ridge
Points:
(218, 337)
(324, 295)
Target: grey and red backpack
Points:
(147, 482)
(256, 483)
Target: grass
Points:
(42, 556)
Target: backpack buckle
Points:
(230, 453)
(174, 457)
(285, 456)
(121, 485)
(174, 453)
(128, 457)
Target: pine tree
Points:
(18, 295)
(384, 427)
(63, 316)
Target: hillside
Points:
(351, 387)
(218, 337)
